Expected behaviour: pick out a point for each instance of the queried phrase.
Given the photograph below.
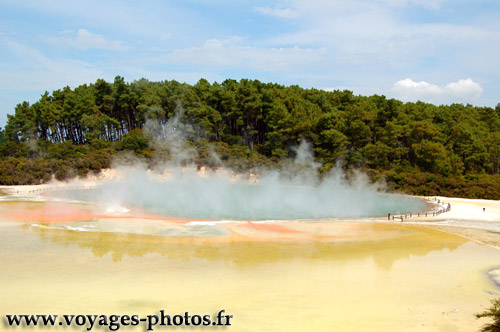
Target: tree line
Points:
(413, 145)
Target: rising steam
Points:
(291, 192)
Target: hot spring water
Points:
(184, 193)
(385, 278)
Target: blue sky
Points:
(432, 50)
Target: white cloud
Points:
(84, 40)
(429, 4)
(229, 53)
(287, 13)
(464, 90)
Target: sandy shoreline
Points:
(466, 217)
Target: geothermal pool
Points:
(79, 258)
(184, 193)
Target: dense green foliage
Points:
(419, 148)
(3, 139)
(494, 313)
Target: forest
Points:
(418, 148)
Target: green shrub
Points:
(134, 141)
(492, 312)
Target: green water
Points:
(221, 199)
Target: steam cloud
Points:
(294, 191)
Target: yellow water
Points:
(397, 279)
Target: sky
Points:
(436, 51)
